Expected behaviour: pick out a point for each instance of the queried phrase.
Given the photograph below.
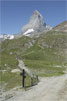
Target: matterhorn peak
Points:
(35, 25)
(36, 12)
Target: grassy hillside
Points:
(48, 53)
(45, 55)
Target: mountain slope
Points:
(45, 56)
(50, 48)
(61, 27)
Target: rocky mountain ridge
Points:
(36, 25)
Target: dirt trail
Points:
(22, 66)
(48, 89)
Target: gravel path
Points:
(48, 89)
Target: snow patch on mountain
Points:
(27, 33)
(7, 36)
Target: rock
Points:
(15, 70)
(11, 53)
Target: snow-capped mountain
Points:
(35, 25)
(6, 36)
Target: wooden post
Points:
(37, 79)
(23, 78)
(31, 81)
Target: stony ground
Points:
(48, 89)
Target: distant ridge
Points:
(61, 27)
